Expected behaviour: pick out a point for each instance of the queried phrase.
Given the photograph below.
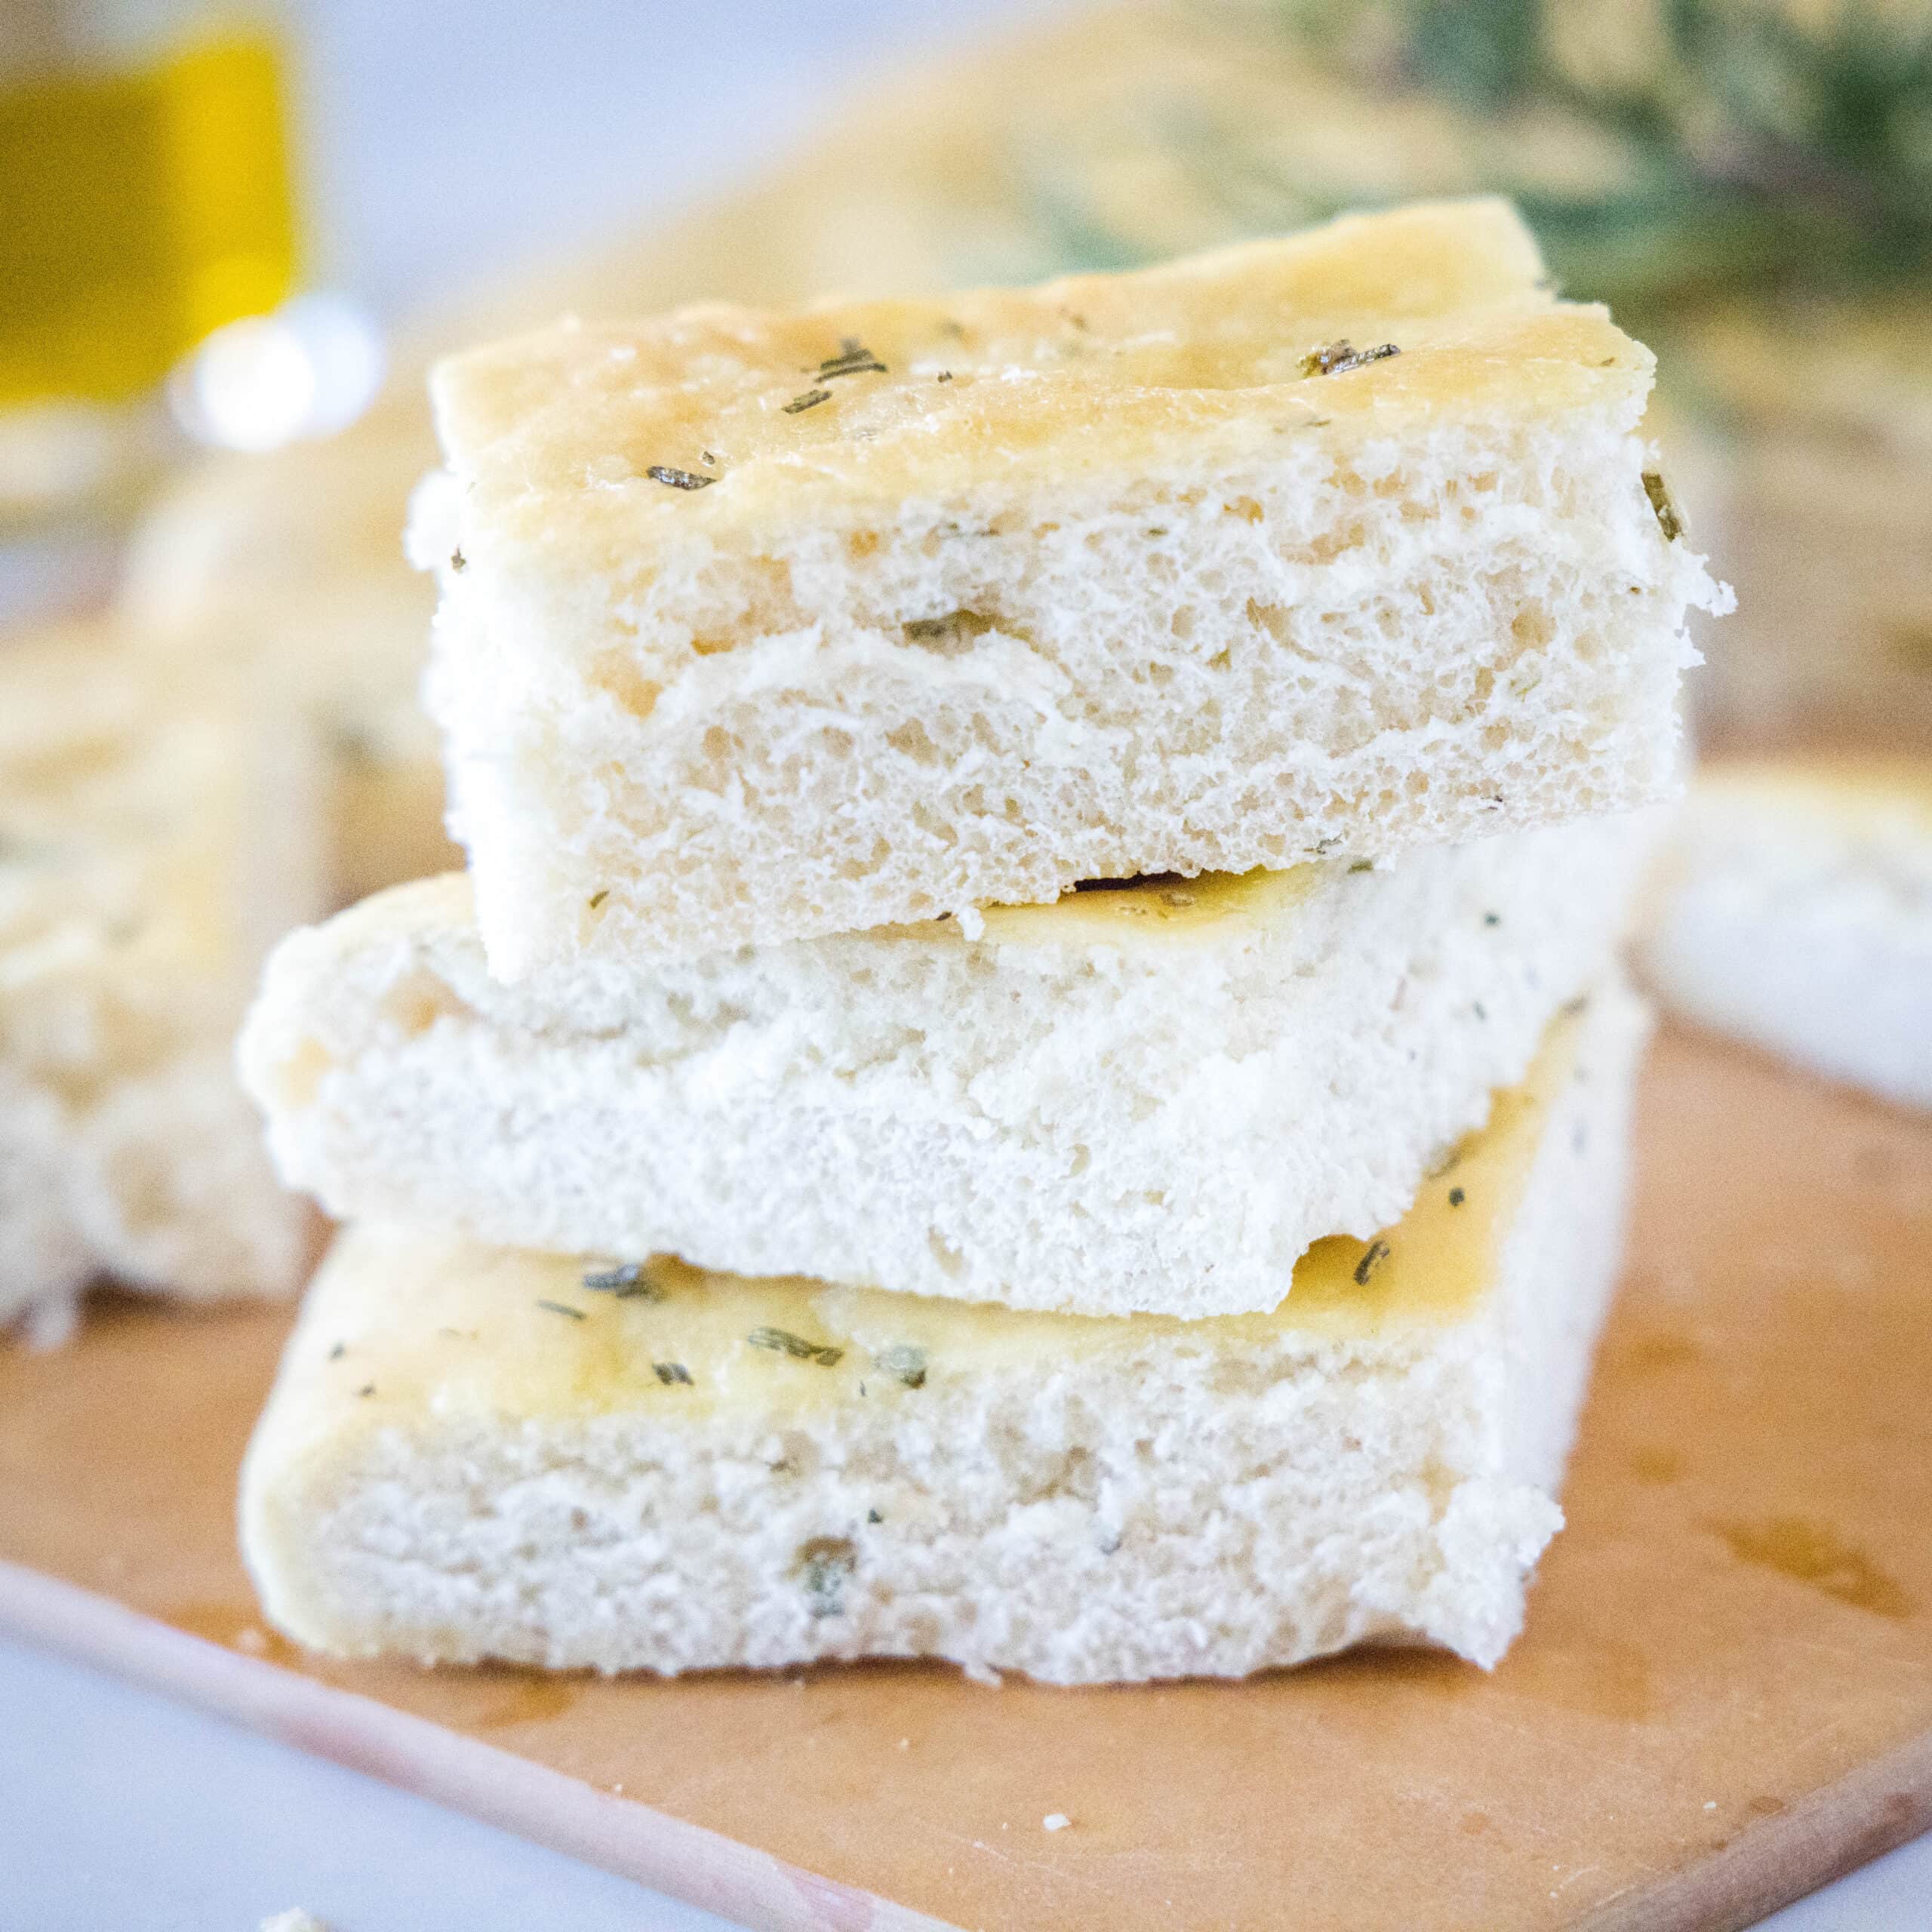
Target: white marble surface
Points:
(121, 1811)
(447, 139)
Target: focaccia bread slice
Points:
(478, 1453)
(1794, 909)
(1149, 1096)
(757, 626)
(158, 832)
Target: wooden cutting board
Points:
(1723, 1697)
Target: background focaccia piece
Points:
(1149, 1097)
(479, 1453)
(1794, 909)
(157, 833)
(293, 563)
(756, 626)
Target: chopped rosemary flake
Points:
(672, 1374)
(628, 1282)
(1127, 884)
(1339, 358)
(562, 1308)
(825, 1564)
(959, 627)
(598, 898)
(905, 1363)
(854, 359)
(782, 1342)
(1910, 645)
(944, 376)
(1456, 1197)
(1669, 521)
(352, 745)
(337, 1353)
(367, 1388)
(1579, 1004)
(873, 1516)
(1492, 918)
(1481, 1011)
(1362, 866)
(705, 457)
(459, 562)
(810, 400)
(1373, 1257)
(678, 479)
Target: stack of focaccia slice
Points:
(1028, 1068)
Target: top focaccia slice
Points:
(758, 626)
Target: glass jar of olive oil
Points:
(146, 214)
(144, 195)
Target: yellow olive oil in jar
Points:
(145, 196)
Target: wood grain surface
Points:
(1723, 1697)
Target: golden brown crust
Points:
(736, 409)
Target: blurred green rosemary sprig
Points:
(1762, 144)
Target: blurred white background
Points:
(446, 142)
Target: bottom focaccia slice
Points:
(1794, 911)
(478, 1453)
